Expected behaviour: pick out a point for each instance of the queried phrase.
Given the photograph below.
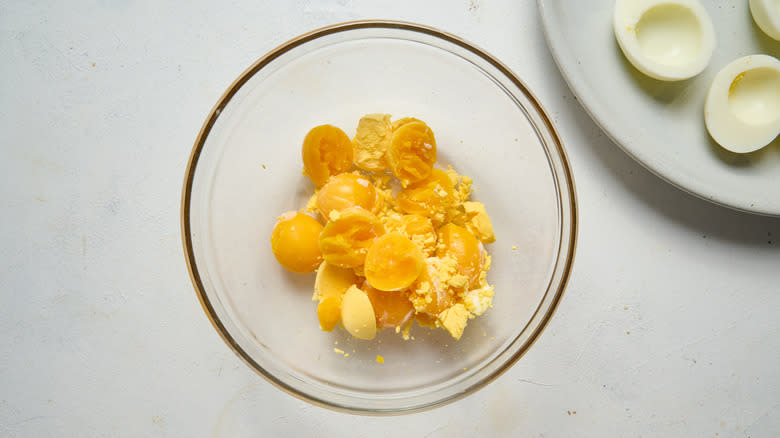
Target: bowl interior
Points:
(246, 170)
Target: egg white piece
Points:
(742, 110)
(766, 14)
(669, 40)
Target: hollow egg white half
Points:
(669, 40)
(742, 110)
(766, 14)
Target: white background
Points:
(669, 326)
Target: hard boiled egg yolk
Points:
(326, 151)
(346, 238)
(431, 293)
(329, 312)
(294, 242)
(393, 262)
(412, 152)
(431, 197)
(347, 190)
(391, 309)
(458, 243)
(420, 230)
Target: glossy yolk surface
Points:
(393, 262)
(346, 238)
(347, 190)
(431, 197)
(329, 312)
(412, 152)
(391, 309)
(458, 243)
(326, 151)
(294, 242)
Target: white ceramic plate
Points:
(661, 124)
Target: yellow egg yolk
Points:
(391, 309)
(420, 230)
(294, 242)
(432, 293)
(346, 238)
(329, 312)
(458, 243)
(326, 151)
(372, 138)
(431, 197)
(347, 190)
(393, 262)
(412, 152)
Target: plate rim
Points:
(587, 100)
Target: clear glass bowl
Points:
(245, 170)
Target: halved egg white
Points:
(742, 111)
(766, 14)
(669, 40)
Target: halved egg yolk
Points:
(431, 294)
(412, 152)
(326, 151)
(431, 197)
(347, 190)
(346, 238)
(458, 243)
(391, 309)
(294, 242)
(329, 312)
(393, 262)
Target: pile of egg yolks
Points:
(386, 255)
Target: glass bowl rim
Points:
(282, 49)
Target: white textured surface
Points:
(668, 327)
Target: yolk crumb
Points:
(326, 151)
(347, 190)
(346, 238)
(393, 262)
(294, 242)
(412, 152)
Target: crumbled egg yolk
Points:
(294, 242)
(477, 221)
(420, 230)
(347, 190)
(347, 236)
(326, 151)
(458, 243)
(393, 262)
(371, 142)
(412, 152)
(393, 253)
(432, 197)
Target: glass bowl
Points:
(245, 170)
